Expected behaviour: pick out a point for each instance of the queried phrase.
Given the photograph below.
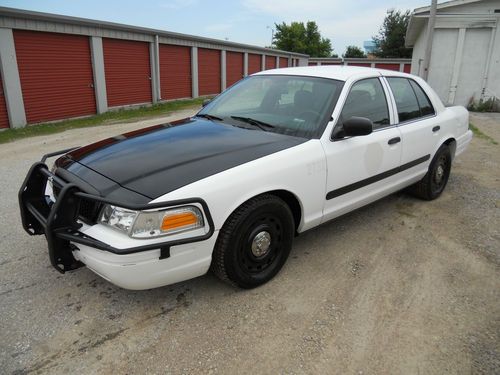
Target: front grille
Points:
(88, 211)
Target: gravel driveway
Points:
(400, 287)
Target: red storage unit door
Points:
(283, 62)
(56, 75)
(407, 68)
(4, 117)
(388, 66)
(312, 63)
(234, 67)
(360, 64)
(208, 71)
(128, 71)
(270, 62)
(175, 71)
(254, 63)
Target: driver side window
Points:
(367, 99)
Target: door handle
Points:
(436, 128)
(393, 141)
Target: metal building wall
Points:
(120, 65)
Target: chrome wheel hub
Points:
(261, 244)
(439, 173)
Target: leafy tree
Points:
(301, 38)
(390, 41)
(354, 51)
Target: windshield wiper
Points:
(209, 117)
(260, 124)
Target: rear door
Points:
(362, 169)
(416, 119)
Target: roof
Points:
(57, 18)
(446, 4)
(337, 72)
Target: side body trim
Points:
(370, 180)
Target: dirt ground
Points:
(399, 287)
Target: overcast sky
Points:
(344, 22)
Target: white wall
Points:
(479, 54)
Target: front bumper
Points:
(69, 247)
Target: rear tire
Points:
(254, 243)
(432, 185)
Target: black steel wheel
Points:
(436, 178)
(254, 243)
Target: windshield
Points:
(292, 105)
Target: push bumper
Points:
(70, 247)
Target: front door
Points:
(363, 168)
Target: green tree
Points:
(390, 40)
(354, 51)
(301, 38)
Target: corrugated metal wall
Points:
(128, 72)
(175, 71)
(4, 117)
(234, 67)
(56, 75)
(270, 62)
(254, 63)
(209, 71)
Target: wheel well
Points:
(452, 144)
(292, 202)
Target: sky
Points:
(344, 22)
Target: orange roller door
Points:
(208, 71)
(283, 62)
(4, 118)
(361, 64)
(175, 71)
(270, 62)
(254, 63)
(56, 75)
(234, 67)
(387, 66)
(128, 72)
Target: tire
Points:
(254, 242)
(432, 185)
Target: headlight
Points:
(149, 224)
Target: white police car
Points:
(278, 153)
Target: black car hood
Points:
(159, 159)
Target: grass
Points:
(479, 134)
(108, 118)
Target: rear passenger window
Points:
(367, 99)
(426, 108)
(406, 101)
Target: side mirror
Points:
(356, 126)
(205, 102)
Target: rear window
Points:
(426, 107)
(411, 101)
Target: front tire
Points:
(254, 243)
(432, 185)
